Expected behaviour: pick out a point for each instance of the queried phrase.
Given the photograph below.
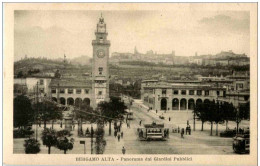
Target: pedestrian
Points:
(140, 123)
(115, 134)
(123, 150)
(169, 118)
(73, 126)
(118, 137)
(178, 129)
(182, 133)
(60, 124)
(156, 111)
(122, 134)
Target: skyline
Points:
(52, 34)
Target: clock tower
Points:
(100, 70)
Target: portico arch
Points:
(54, 99)
(86, 101)
(191, 104)
(163, 104)
(78, 102)
(70, 101)
(175, 104)
(198, 101)
(63, 100)
(183, 104)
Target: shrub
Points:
(31, 146)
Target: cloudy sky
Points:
(52, 34)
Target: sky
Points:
(52, 34)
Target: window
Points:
(53, 90)
(100, 69)
(206, 92)
(239, 86)
(86, 91)
(199, 92)
(62, 90)
(224, 93)
(41, 90)
(41, 82)
(183, 92)
(78, 91)
(164, 91)
(175, 92)
(191, 92)
(246, 98)
(217, 93)
(99, 93)
(70, 91)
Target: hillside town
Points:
(224, 58)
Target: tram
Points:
(153, 131)
(129, 115)
(241, 142)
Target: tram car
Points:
(153, 131)
(129, 114)
(241, 142)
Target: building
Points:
(69, 90)
(178, 96)
(100, 65)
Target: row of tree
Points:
(50, 138)
(25, 113)
(215, 112)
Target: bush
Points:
(31, 146)
(228, 133)
(22, 133)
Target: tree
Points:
(218, 115)
(200, 112)
(63, 143)
(23, 112)
(100, 142)
(87, 113)
(49, 138)
(243, 112)
(48, 111)
(229, 112)
(112, 110)
(210, 110)
(31, 146)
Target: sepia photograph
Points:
(131, 80)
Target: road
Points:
(197, 143)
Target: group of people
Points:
(118, 133)
(188, 131)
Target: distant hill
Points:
(82, 60)
(43, 66)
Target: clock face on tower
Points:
(100, 53)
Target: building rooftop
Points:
(71, 83)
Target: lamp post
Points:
(37, 112)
